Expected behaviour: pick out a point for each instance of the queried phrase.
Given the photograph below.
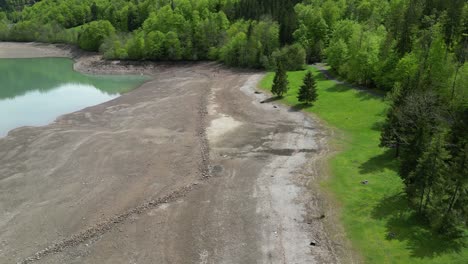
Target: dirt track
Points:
(188, 168)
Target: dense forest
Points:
(413, 49)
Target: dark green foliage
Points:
(308, 91)
(281, 11)
(280, 81)
(392, 130)
(431, 169)
(419, 116)
(251, 44)
(433, 162)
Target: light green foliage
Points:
(337, 54)
(94, 34)
(3, 26)
(136, 47)
(68, 13)
(312, 31)
(172, 46)
(251, 44)
(363, 50)
(165, 20)
(114, 48)
(332, 12)
(154, 45)
(234, 51)
(337, 51)
(292, 57)
(354, 51)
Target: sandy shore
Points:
(188, 168)
(33, 50)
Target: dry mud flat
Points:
(188, 168)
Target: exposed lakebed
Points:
(35, 92)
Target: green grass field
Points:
(370, 212)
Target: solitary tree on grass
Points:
(280, 82)
(308, 91)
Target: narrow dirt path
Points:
(320, 67)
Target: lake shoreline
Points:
(88, 62)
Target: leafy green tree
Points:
(312, 31)
(291, 57)
(308, 90)
(4, 31)
(233, 52)
(337, 54)
(172, 46)
(280, 81)
(94, 34)
(154, 45)
(136, 47)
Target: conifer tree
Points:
(308, 90)
(391, 133)
(432, 170)
(280, 82)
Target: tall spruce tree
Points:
(454, 209)
(308, 91)
(280, 82)
(390, 136)
(432, 169)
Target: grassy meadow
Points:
(376, 216)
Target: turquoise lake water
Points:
(34, 92)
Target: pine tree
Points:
(391, 133)
(455, 191)
(308, 90)
(431, 171)
(280, 82)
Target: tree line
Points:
(159, 30)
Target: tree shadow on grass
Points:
(380, 162)
(299, 107)
(271, 99)
(404, 224)
(362, 93)
(378, 126)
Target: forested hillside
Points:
(413, 49)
